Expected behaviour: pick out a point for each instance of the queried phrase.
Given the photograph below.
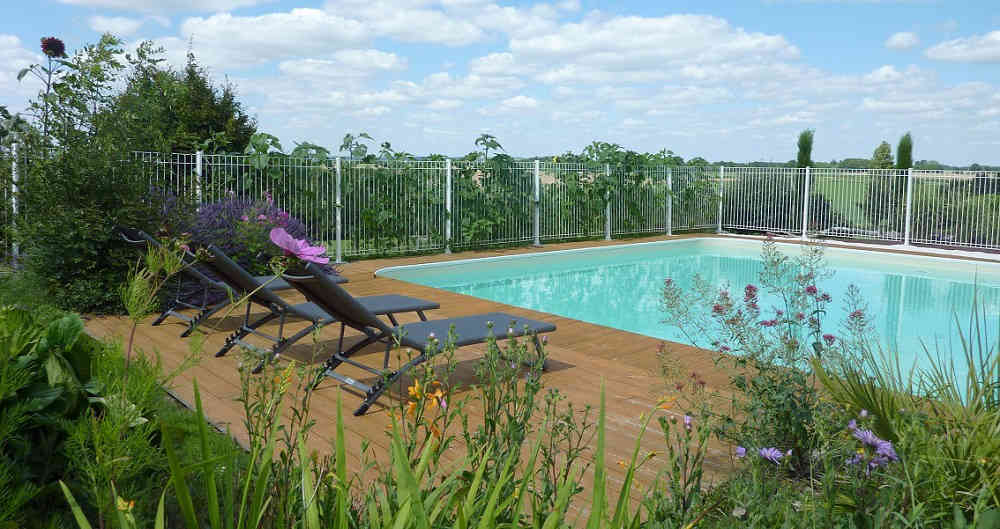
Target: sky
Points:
(735, 80)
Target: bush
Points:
(241, 228)
(72, 202)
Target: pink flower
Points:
(718, 308)
(750, 293)
(811, 290)
(298, 248)
(825, 297)
(800, 316)
(857, 315)
(829, 339)
(245, 218)
(769, 323)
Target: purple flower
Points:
(749, 293)
(245, 218)
(863, 414)
(811, 290)
(853, 425)
(53, 47)
(825, 297)
(855, 459)
(741, 452)
(768, 323)
(545, 340)
(298, 248)
(687, 422)
(718, 309)
(886, 450)
(829, 339)
(867, 437)
(771, 454)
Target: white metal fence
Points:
(384, 207)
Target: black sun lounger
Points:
(204, 309)
(423, 336)
(239, 280)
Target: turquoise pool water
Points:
(911, 298)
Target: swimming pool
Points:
(911, 298)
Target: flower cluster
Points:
(771, 454)
(424, 398)
(53, 47)
(874, 452)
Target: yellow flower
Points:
(435, 431)
(621, 463)
(411, 408)
(125, 506)
(414, 389)
(667, 402)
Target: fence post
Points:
(670, 201)
(198, 159)
(909, 206)
(805, 208)
(447, 206)
(339, 207)
(722, 175)
(538, 196)
(14, 177)
(607, 205)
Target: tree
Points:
(882, 157)
(804, 158)
(487, 142)
(904, 152)
(184, 111)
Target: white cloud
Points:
(119, 26)
(344, 63)
(494, 63)
(903, 40)
(520, 102)
(985, 48)
(227, 41)
(409, 21)
(885, 74)
(167, 5)
(13, 58)
(643, 49)
(444, 104)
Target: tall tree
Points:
(804, 159)
(904, 152)
(487, 142)
(882, 157)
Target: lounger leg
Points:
(243, 332)
(285, 343)
(163, 315)
(379, 388)
(203, 315)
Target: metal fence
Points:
(385, 207)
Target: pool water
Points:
(912, 299)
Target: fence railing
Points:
(360, 208)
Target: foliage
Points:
(189, 111)
(904, 152)
(804, 157)
(775, 401)
(882, 157)
(487, 142)
(240, 228)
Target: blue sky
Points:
(730, 80)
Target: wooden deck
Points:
(582, 356)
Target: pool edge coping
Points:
(914, 251)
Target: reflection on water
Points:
(907, 307)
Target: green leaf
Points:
(81, 520)
(599, 501)
(211, 490)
